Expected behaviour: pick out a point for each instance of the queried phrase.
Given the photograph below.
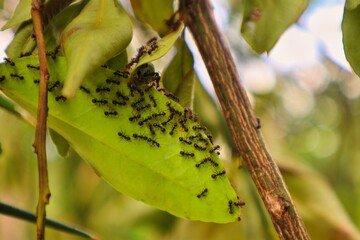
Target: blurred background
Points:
(308, 101)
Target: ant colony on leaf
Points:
(143, 117)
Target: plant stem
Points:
(244, 126)
(40, 133)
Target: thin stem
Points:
(40, 134)
(244, 126)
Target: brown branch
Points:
(198, 16)
(40, 134)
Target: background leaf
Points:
(351, 4)
(99, 20)
(62, 145)
(320, 208)
(351, 36)
(144, 10)
(118, 62)
(179, 76)
(265, 21)
(210, 113)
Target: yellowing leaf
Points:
(100, 22)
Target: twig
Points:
(198, 16)
(40, 134)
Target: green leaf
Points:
(179, 76)
(155, 13)
(163, 46)
(136, 139)
(351, 4)
(30, 217)
(351, 36)
(100, 22)
(21, 14)
(265, 21)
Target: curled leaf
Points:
(22, 42)
(58, 22)
(159, 48)
(57, 19)
(100, 22)
(21, 14)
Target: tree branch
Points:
(198, 16)
(40, 134)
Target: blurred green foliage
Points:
(312, 132)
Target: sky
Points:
(318, 31)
